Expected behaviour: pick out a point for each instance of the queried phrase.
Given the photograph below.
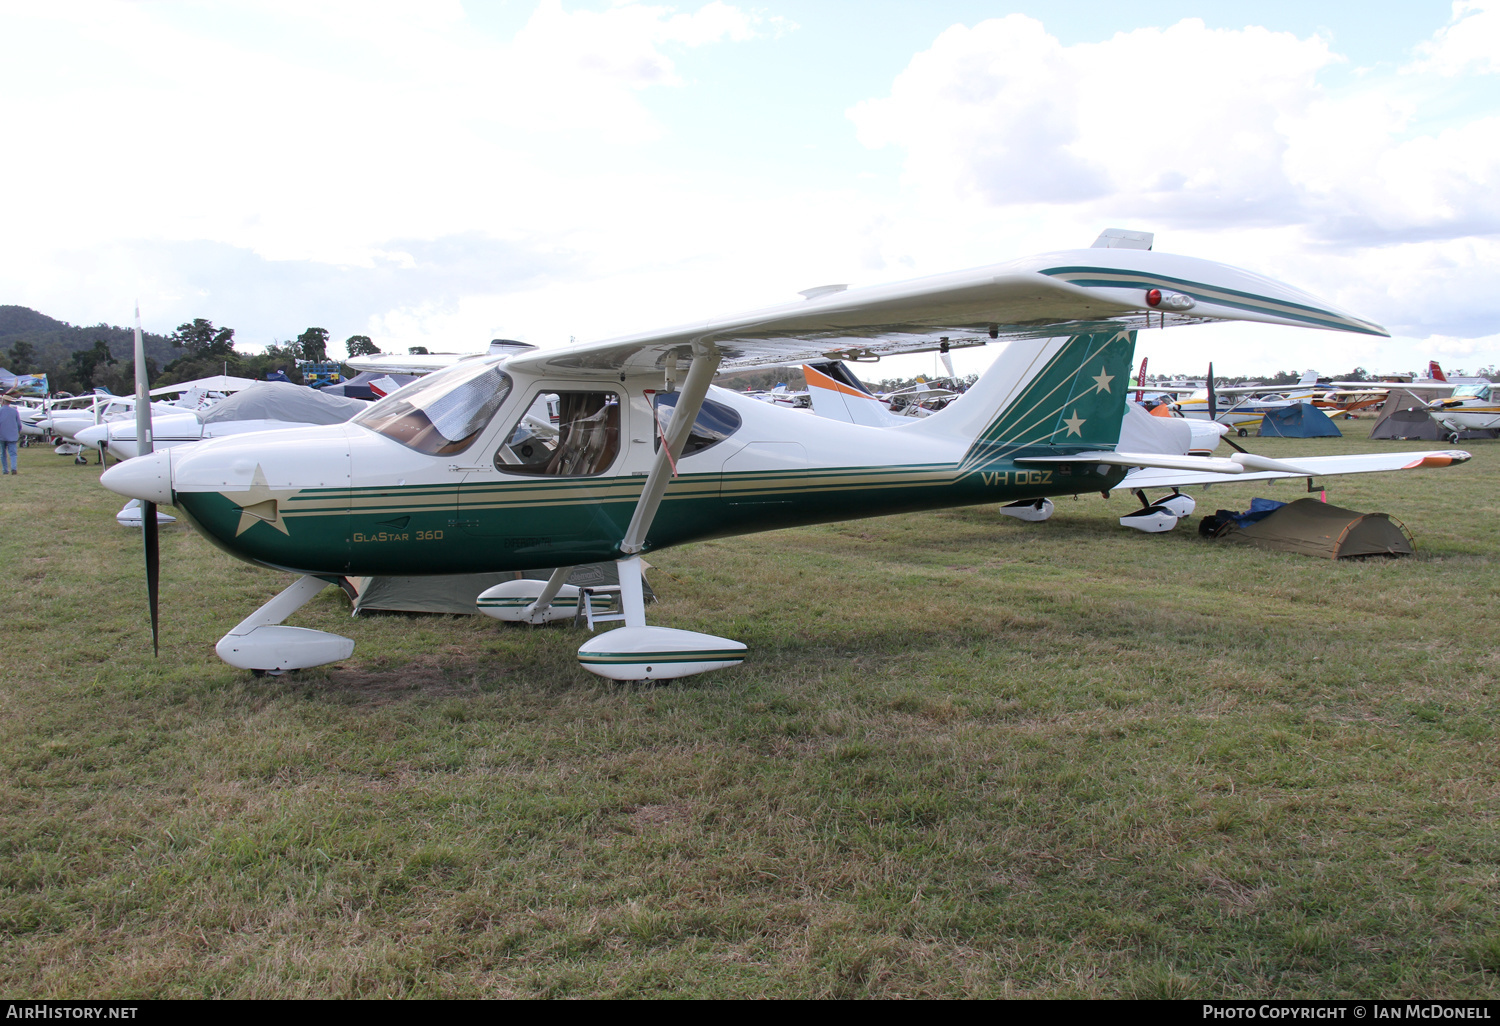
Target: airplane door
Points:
(546, 491)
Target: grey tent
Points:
(1301, 420)
(1315, 528)
(459, 593)
(1404, 416)
(275, 400)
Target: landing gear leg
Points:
(260, 644)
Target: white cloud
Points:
(421, 179)
(1228, 143)
(319, 131)
(1469, 42)
(1004, 113)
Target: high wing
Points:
(1035, 297)
(426, 363)
(1183, 472)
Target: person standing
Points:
(10, 434)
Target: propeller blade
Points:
(153, 568)
(1213, 410)
(149, 538)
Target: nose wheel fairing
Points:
(260, 643)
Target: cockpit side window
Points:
(564, 434)
(443, 413)
(714, 423)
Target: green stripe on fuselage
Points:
(525, 531)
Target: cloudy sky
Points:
(441, 173)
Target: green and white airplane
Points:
(456, 473)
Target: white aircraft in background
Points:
(1471, 407)
(64, 418)
(448, 476)
(264, 406)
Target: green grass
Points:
(967, 757)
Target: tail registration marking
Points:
(1016, 477)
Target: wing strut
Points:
(632, 599)
(636, 651)
(694, 389)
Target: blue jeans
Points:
(7, 457)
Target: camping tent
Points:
(1301, 420)
(459, 593)
(1315, 528)
(226, 383)
(1404, 416)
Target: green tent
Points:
(1316, 528)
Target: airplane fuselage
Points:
(346, 500)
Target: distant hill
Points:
(54, 340)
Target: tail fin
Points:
(1435, 372)
(1044, 392)
(1309, 377)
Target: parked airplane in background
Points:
(447, 475)
(265, 406)
(1435, 376)
(1471, 407)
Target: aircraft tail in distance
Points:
(1435, 372)
(838, 395)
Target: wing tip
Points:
(1439, 459)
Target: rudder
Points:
(1076, 399)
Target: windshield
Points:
(442, 413)
(1472, 392)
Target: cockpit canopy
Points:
(443, 413)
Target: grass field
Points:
(967, 757)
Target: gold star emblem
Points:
(1075, 424)
(261, 504)
(1102, 380)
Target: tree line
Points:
(197, 349)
